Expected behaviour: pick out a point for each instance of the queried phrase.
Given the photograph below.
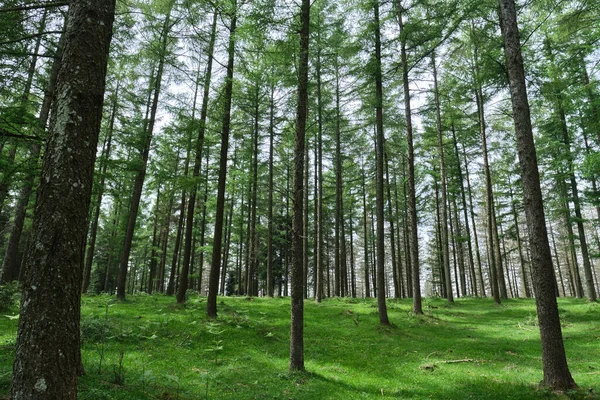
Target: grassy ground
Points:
(149, 348)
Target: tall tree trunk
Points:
(252, 239)
(472, 213)
(319, 260)
(439, 243)
(113, 234)
(379, 160)
(560, 277)
(48, 337)
(228, 229)
(412, 200)
(352, 263)
(341, 266)
(556, 370)
(297, 309)
(177, 247)
(270, 253)
(189, 227)
(466, 218)
(399, 241)
(160, 284)
(239, 290)
(524, 279)
(587, 267)
(444, 204)
(141, 175)
(305, 223)
(391, 218)
(460, 252)
(575, 278)
(103, 169)
(213, 284)
(155, 244)
(367, 266)
(489, 199)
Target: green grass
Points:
(471, 349)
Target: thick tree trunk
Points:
(47, 360)
(297, 309)
(556, 370)
(213, 283)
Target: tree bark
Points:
(556, 370)
(297, 309)
(213, 283)
(48, 360)
(379, 160)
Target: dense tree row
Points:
(446, 191)
(390, 170)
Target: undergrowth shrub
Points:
(9, 295)
(95, 329)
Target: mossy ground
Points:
(150, 348)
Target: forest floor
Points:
(150, 348)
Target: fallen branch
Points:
(525, 329)
(464, 360)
